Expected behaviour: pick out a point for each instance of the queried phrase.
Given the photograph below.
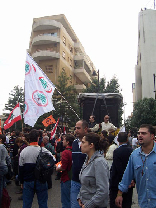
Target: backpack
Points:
(6, 199)
(44, 166)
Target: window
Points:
(49, 69)
(70, 48)
(70, 62)
(63, 69)
(63, 55)
(64, 40)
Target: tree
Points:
(144, 112)
(111, 87)
(15, 96)
(63, 107)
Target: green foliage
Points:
(144, 112)
(63, 106)
(15, 96)
(111, 87)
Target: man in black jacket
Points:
(120, 160)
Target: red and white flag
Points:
(38, 92)
(54, 130)
(14, 116)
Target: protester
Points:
(109, 127)
(27, 163)
(120, 159)
(3, 165)
(78, 159)
(66, 168)
(92, 125)
(94, 175)
(141, 167)
(49, 147)
(111, 148)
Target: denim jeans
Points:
(3, 171)
(28, 194)
(75, 189)
(65, 194)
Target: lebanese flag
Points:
(54, 130)
(14, 116)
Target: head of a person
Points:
(92, 119)
(56, 136)
(106, 118)
(146, 135)
(19, 141)
(68, 140)
(13, 133)
(110, 139)
(81, 128)
(92, 142)
(2, 139)
(122, 137)
(33, 135)
(45, 139)
(104, 134)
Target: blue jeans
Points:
(3, 171)
(65, 194)
(75, 189)
(28, 194)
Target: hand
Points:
(80, 203)
(83, 206)
(118, 201)
(21, 186)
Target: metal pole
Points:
(98, 81)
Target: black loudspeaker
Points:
(100, 105)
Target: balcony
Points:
(82, 75)
(79, 87)
(45, 39)
(45, 55)
(46, 24)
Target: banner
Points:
(14, 116)
(38, 92)
(49, 120)
(54, 130)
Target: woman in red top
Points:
(66, 166)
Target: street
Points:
(54, 195)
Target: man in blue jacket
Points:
(78, 159)
(142, 168)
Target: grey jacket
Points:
(94, 178)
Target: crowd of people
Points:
(94, 171)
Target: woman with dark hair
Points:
(94, 175)
(3, 165)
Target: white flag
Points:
(38, 92)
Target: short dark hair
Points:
(70, 138)
(110, 139)
(149, 127)
(105, 133)
(3, 138)
(84, 124)
(33, 135)
(93, 116)
(122, 137)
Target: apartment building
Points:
(56, 48)
(145, 70)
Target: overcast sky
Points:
(108, 31)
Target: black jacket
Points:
(120, 159)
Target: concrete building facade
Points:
(145, 70)
(56, 48)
